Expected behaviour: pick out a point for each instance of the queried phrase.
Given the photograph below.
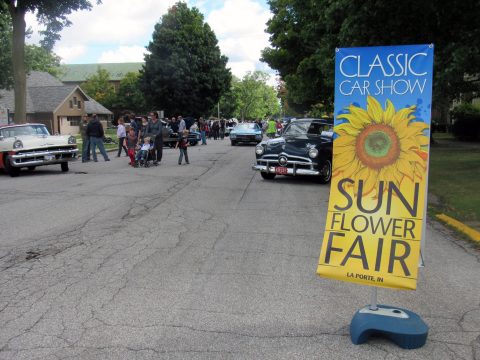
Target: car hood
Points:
(294, 145)
(35, 141)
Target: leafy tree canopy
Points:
(129, 96)
(254, 97)
(99, 88)
(304, 35)
(185, 72)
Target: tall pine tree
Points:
(185, 73)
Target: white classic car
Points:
(31, 145)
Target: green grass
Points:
(109, 132)
(454, 179)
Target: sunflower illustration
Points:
(380, 145)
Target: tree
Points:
(99, 88)
(129, 96)
(185, 71)
(40, 59)
(304, 35)
(254, 97)
(51, 13)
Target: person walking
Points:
(203, 130)
(215, 129)
(155, 129)
(182, 144)
(271, 128)
(121, 135)
(222, 129)
(85, 139)
(95, 133)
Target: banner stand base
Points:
(403, 327)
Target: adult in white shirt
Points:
(181, 125)
(121, 135)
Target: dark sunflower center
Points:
(377, 144)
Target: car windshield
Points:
(307, 128)
(246, 126)
(24, 130)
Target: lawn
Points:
(108, 133)
(454, 179)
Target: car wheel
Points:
(325, 172)
(9, 169)
(64, 166)
(267, 176)
(31, 168)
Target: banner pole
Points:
(373, 302)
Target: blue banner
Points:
(377, 204)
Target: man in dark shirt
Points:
(95, 134)
(155, 129)
(85, 139)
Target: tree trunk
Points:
(18, 60)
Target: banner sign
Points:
(377, 207)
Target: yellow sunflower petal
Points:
(360, 117)
(347, 129)
(344, 140)
(422, 140)
(352, 169)
(389, 113)
(374, 110)
(343, 158)
(408, 143)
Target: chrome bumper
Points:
(290, 171)
(44, 157)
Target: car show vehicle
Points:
(31, 145)
(246, 133)
(305, 148)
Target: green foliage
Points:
(254, 97)
(304, 35)
(99, 88)
(466, 122)
(129, 96)
(6, 74)
(41, 59)
(185, 72)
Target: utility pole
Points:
(218, 110)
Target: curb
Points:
(467, 230)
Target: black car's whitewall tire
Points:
(267, 176)
(325, 172)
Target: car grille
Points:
(25, 156)
(246, 137)
(292, 162)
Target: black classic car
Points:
(305, 148)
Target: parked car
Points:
(305, 148)
(31, 145)
(246, 133)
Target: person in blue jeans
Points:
(203, 131)
(95, 134)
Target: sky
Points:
(119, 31)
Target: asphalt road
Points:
(203, 261)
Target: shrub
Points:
(466, 122)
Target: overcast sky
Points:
(119, 30)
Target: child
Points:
(182, 144)
(142, 154)
(131, 143)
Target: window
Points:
(71, 104)
(79, 103)
(74, 120)
(74, 100)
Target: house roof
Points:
(80, 72)
(45, 93)
(93, 107)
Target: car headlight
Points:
(72, 140)
(18, 144)
(258, 136)
(259, 150)
(313, 153)
(233, 136)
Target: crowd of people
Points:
(141, 138)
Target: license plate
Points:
(49, 157)
(280, 170)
